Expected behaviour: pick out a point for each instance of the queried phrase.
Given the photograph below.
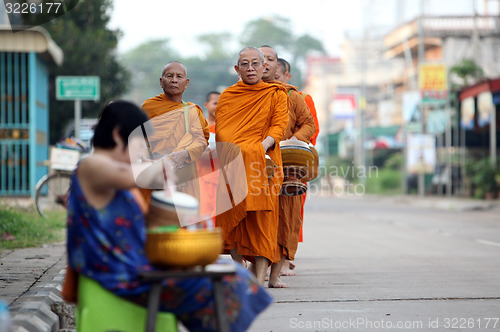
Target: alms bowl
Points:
(182, 247)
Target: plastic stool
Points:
(99, 310)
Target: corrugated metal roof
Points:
(35, 39)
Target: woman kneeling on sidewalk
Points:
(107, 232)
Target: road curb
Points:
(41, 308)
(34, 312)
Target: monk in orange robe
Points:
(208, 166)
(284, 75)
(251, 117)
(180, 129)
(300, 127)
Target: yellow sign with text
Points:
(433, 82)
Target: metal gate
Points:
(23, 122)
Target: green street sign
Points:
(78, 88)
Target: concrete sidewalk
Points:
(30, 282)
(31, 279)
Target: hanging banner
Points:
(485, 108)
(421, 153)
(467, 109)
(344, 106)
(433, 82)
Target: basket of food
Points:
(170, 246)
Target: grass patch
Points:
(29, 229)
(388, 182)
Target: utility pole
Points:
(421, 58)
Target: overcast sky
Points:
(181, 21)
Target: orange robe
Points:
(169, 135)
(310, 103)
(300, 125)
(247, 201)
(208, 171)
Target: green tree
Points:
(145, 62)
(467, 71)
(89, 48)
(304, 45)
(206, 71)
(275, 31)
(217, 44)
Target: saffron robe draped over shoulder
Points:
(312, 108)
(169, 135)
(244, 117)
(208, 171)
(301, 125)
(310, 103)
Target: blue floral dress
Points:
(107, 245)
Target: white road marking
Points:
(489, 243)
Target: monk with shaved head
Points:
(300, 127)
(181, 130)
(251, 118)
(284, 75)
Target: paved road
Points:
(367, 264)
(375, 264)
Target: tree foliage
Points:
(276, 32)
(146, 62)
(212, 68)
(467, 71)
(89, 48)
(208, 73)
(273, 31)
(217, 44)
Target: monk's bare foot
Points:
(286, 269)
(277, 284)
(287, 272)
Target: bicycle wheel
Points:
(51, 191)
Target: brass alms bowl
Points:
(183, 248)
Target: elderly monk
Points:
(300, 127)
(251, 117)
(283, 74)
(181, 130)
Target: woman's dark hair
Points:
(122, 114)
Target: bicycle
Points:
(52, 189)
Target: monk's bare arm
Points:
(279, 119)
(305, 120)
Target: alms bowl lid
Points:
(177, 199)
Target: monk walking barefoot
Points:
(251, 117)
(300, 127)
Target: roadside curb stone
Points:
(39, 307)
